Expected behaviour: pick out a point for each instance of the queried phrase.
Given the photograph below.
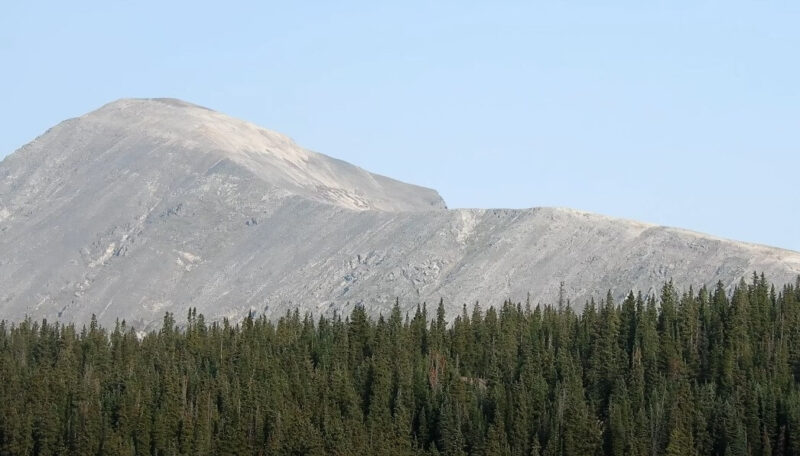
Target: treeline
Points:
(688, 373)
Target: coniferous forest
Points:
(694, 372)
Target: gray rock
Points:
(147, 206)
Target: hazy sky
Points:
(683, 113)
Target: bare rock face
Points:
(147, 206)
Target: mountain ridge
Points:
(146, 206)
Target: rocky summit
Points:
(152, 205)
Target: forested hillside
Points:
(690, 372)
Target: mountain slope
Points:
(165, 142)
(146, 206)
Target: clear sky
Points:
(682, 113)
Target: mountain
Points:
(147, 206)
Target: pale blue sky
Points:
(683, 113)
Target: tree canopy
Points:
(689, 372)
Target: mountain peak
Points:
(174, 102)
(142, 133)
(187, 123)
